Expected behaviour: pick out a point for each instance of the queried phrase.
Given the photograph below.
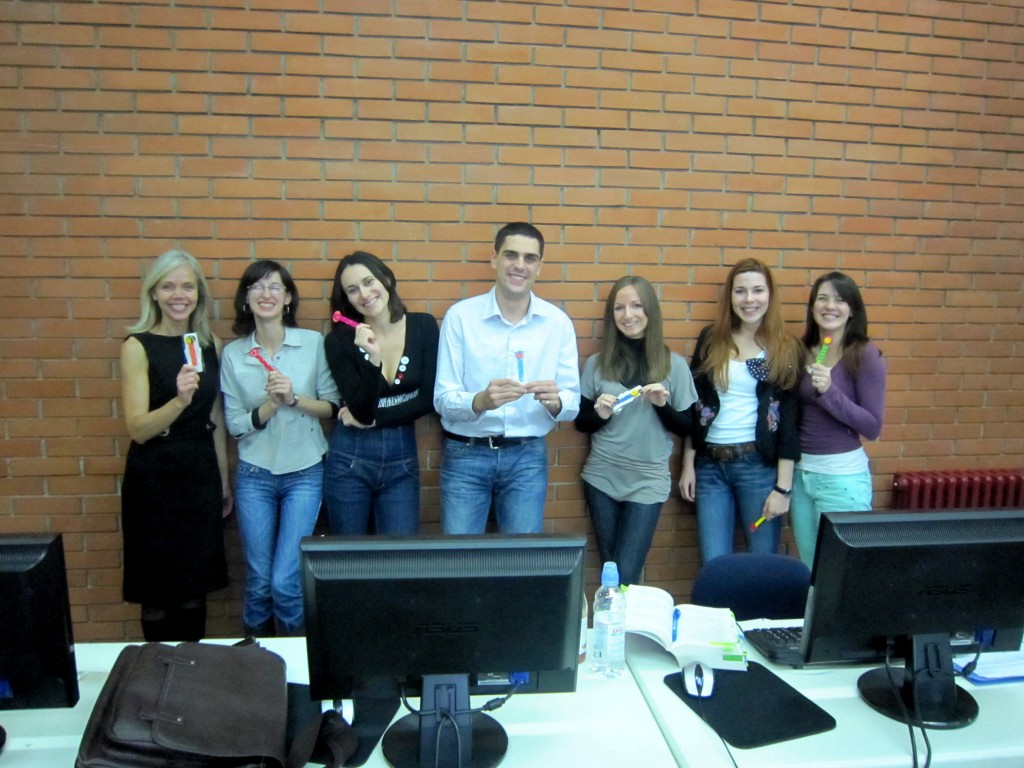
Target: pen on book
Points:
(757, 524)
(675, 624)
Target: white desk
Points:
(605, 722)
(862, 738)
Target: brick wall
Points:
(667, 138)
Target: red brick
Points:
(639, 140)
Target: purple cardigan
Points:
(851, 408)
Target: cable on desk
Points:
(489, 706)
(700, 711)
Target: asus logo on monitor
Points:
(447, 629)
(941, 590)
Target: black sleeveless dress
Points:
(171, 493)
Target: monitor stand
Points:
(444, 732)
(925, 691)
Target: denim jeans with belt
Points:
(514, 476)
(373, 472)
(623, 529)
(274, 513)
(727, 489)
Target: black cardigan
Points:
(365, 392)
(776, 433)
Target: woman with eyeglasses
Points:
(277, 387)
(175, 491)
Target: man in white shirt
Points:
(507, 371)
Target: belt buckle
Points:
(723, 452)
(490, 442)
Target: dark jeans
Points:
(623, 529)
(373, 472)
(515, 478)
(727, 490)
(274, 513)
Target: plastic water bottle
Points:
(608, 656)
(583, 631)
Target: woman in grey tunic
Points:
(635, 392)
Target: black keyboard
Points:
(778, 644)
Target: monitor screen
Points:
(442, 617)
(37, 651)
(915, 585)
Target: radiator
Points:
(958, 489)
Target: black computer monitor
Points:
(37, 651)
(443, 617)
(914, 585)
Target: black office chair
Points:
(754, 585)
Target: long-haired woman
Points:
(635, 392)
(842, 398)
(738, 459)
(175, 490)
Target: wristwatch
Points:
(295, 401)
(783, 491)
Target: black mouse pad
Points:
(755, 708)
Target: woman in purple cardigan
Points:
(842, 399)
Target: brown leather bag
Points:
(193, 705)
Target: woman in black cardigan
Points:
(738, 459)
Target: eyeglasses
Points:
(275, 289)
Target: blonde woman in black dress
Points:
(175, 492)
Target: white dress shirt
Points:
(478, 345)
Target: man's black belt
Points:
(491, 441)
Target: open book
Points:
(688, 632)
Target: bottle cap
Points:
(610, 575)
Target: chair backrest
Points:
(754, 585)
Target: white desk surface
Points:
(605, 722)
(862, 738)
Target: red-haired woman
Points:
(738, 460)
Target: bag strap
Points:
(331, 730)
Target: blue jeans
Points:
(274, 513)
(814, 493)
(373, 472)
(727, 489)
(514, 477)
(623, 529)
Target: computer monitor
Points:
(914, 584)
(445, 617)
(37, 651)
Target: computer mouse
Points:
(698, 680)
